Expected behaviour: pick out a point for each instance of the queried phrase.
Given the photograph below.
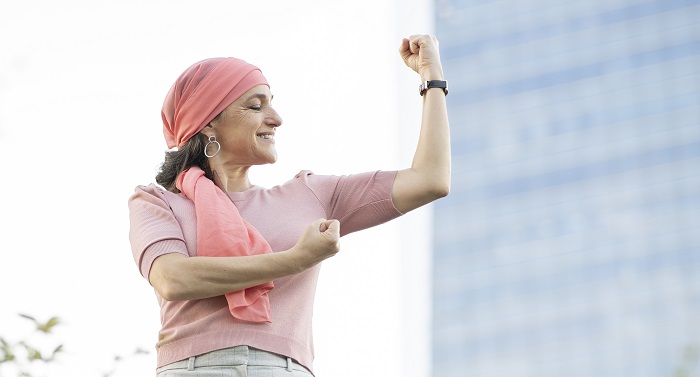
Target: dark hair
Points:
(191, 154)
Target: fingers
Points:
(408, 46)
(405, 49)
(329, 226)
(322, 225)
(330, 233)
(332, 226)
(404, 45)
(417, 41)
(319, 241)
(411, 48)
(420, 52)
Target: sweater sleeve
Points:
(153, 231)
(358, 201)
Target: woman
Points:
(234, 266)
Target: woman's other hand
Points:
(320, 240)
(421, 53)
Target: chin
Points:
(268, 160)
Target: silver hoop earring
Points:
(212, 140)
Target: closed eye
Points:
(260, 97)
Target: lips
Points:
(266, 135)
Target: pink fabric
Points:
(202, 92)
(221, 232)
(163, 222)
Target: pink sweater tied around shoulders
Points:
(202, 92)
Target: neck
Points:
(232, 179)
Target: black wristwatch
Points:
(433, 84)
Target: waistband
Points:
(236, 356)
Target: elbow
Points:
(171, 292)
(168, 286)
(440, 191)
(435, 190)
(428, 195)
(444, 191)
(439, 187)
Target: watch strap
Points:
(442, 84)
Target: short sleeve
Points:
(358, 201)
(153, 231)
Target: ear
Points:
(204, 137)
(208, 130)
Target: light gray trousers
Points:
(241, 361)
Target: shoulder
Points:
(151, 189)
(308, 179)
(313, 181)
(307, 176)
(153, 193)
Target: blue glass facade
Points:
(570, 242)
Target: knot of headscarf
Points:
(222, 232)
(203, 91)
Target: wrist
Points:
(432, 73)
(295, 259)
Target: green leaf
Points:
(46, 327)
(27, 317)
(43, 327)
(57, 350)
(33, 354)
(6, 353)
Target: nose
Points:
(274, 119)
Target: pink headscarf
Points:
(202, 92)
(199, 94)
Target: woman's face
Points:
(246, 129)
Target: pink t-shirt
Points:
(163, 222)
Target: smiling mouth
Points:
(266, 136)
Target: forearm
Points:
(431, 160)
(177, 277)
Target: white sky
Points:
(81, 86)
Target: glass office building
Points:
(570, 243)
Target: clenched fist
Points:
(421, 54)
(320, 240)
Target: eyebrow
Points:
(259, 96)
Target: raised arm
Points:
(428, 178)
